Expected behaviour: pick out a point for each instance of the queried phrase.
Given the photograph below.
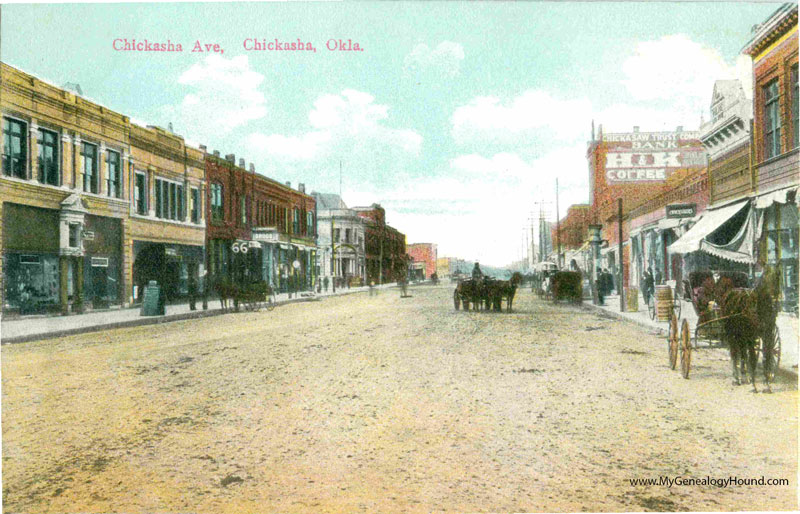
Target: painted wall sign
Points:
(650, 156)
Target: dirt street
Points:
(383, 404)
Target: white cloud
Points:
(342, 126)
(348, 126)
(445, 59)
(224, 95)
(520, 119)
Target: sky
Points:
(457, 117)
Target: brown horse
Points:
(747, 315)
(504, 289)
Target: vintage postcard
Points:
(311, 257)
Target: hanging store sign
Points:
(650, 156)
(682, 210)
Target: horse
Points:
(747, 315)
(226, 292)
(466, 292)
(505, 289)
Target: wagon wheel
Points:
(651, 307)
(686, 349)
(771, 348)
(672, 341)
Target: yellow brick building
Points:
(67, 189)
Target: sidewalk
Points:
(32, 328)
(787, 325)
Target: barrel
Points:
(632, 299)
(663, 302)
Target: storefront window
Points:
(32, 282)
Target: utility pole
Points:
(558, 230)
(333, 256)
(621, 289)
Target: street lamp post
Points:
(595, 239)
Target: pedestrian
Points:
(659, 277)
(325, 284)
(192, 290)
(600, 287)
(371, 287)
(648, 284)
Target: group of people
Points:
(604, 284)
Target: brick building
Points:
(774, 50)
(258, 228)
(63, 199)
(635, 166)
(385, 246)
(426, 255)
(166, 235)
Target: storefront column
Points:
(79, 285)
(63, 263)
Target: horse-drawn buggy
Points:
(731, 313)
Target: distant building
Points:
(349, 235)
(426, 255)
(385, 246)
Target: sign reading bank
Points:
(650, 156)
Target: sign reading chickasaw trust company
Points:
(650, 156)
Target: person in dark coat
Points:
(648, 284)
(477, 274)
(600, 286)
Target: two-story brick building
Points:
(385, 246)
(774, 50)
(93, 206)
(166, 225)
(257, 228)
(423, 257)
(63, 198)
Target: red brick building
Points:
(574, 227)
(426, 254)
(635, 167)
(776, 143)
(258, 228)
(385, 246)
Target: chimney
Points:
(204, 148)
(288, 184)
(231, 158)
(301, 187)
(636, 128)
(252, 168)
(216, 153)
(241, 162)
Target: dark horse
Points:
(749, 314)
(507, 289)
(468, 292)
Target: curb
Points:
(139, 322)
(785, 372)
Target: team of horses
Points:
(486, 293)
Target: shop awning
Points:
(666, 223)
(767, 199)
(740, 248)
(692, 240)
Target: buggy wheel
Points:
(651, 307)
(686, 349)
(672, 341)
(771, 348)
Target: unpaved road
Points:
(384, 405)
